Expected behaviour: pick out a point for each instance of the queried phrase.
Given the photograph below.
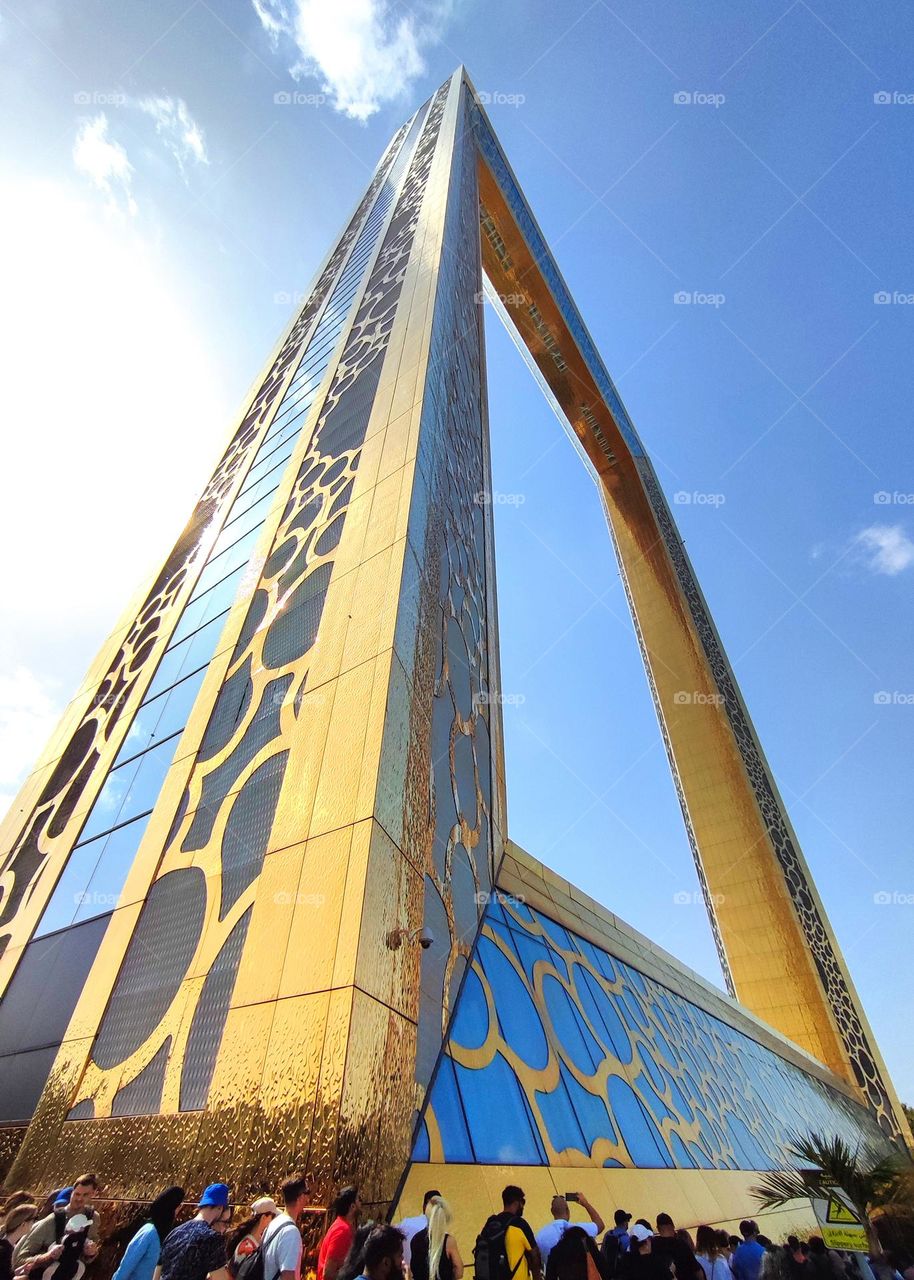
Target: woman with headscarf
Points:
(141, 1256)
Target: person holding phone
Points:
(548, 1236)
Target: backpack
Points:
(610, 1255)
(251, 1265)
(490, 1253)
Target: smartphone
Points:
(571, 1197)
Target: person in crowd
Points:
(142, 1254)
(246, 1237)
(196, 1249)
(641, 1262)
(725, 1248)
(686, 1238)
(16, 1222)
(615, 1244)
(383, 1254)
(777, 1264)
(548, 1236)
(409, 1226)
(824, 1263)
(434, 1252)
(42, 1244)
(15, 1199)
(574, 1256)
(508, 1235)
(337, 1242)
(709, 1255)
(355, 1258)
(282, 1241)
(747, 1257)
(667, 1244)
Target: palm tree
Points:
(830, 1162)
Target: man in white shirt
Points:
(549, 1236)
(282, 1243)
(409, 1226)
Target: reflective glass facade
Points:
(560, 1053)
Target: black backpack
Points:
(490, 1253)
(251, 1265)
(610, 1256)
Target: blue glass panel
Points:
(64, 901)
(745, 1145)
(118, 850)
(531, 950)
(240, 524)
(517, 1014)
(591, 1111)
(229, 560)
(560, 1120)
(421, 1146)
(639, 1133)
(650, 1066)
(206, 605)
(684, 1158)
(130, 790)
(448, 1111)
(270, 456)
(498, 1115)
(656, 1105)
(163, 716)
(471, 1020)
(575, 1039)
(186, 657)
(254, 488)
(602, 1013)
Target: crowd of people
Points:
(57, 1238)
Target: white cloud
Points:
(113, 443)
(104, 162)
(29, 712)
(178, 130)
(364, 52)
(885, 548)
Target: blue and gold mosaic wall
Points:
(561, 1054)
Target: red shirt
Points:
(335, 1245)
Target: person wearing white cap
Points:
(246, 1237)
(640, 1263)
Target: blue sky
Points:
(160, 212)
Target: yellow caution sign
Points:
(840, 1214)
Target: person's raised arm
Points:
(589, 1209)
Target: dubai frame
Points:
(286, 762)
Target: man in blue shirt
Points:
(747, 1258)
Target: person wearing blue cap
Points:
(196, 1249)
